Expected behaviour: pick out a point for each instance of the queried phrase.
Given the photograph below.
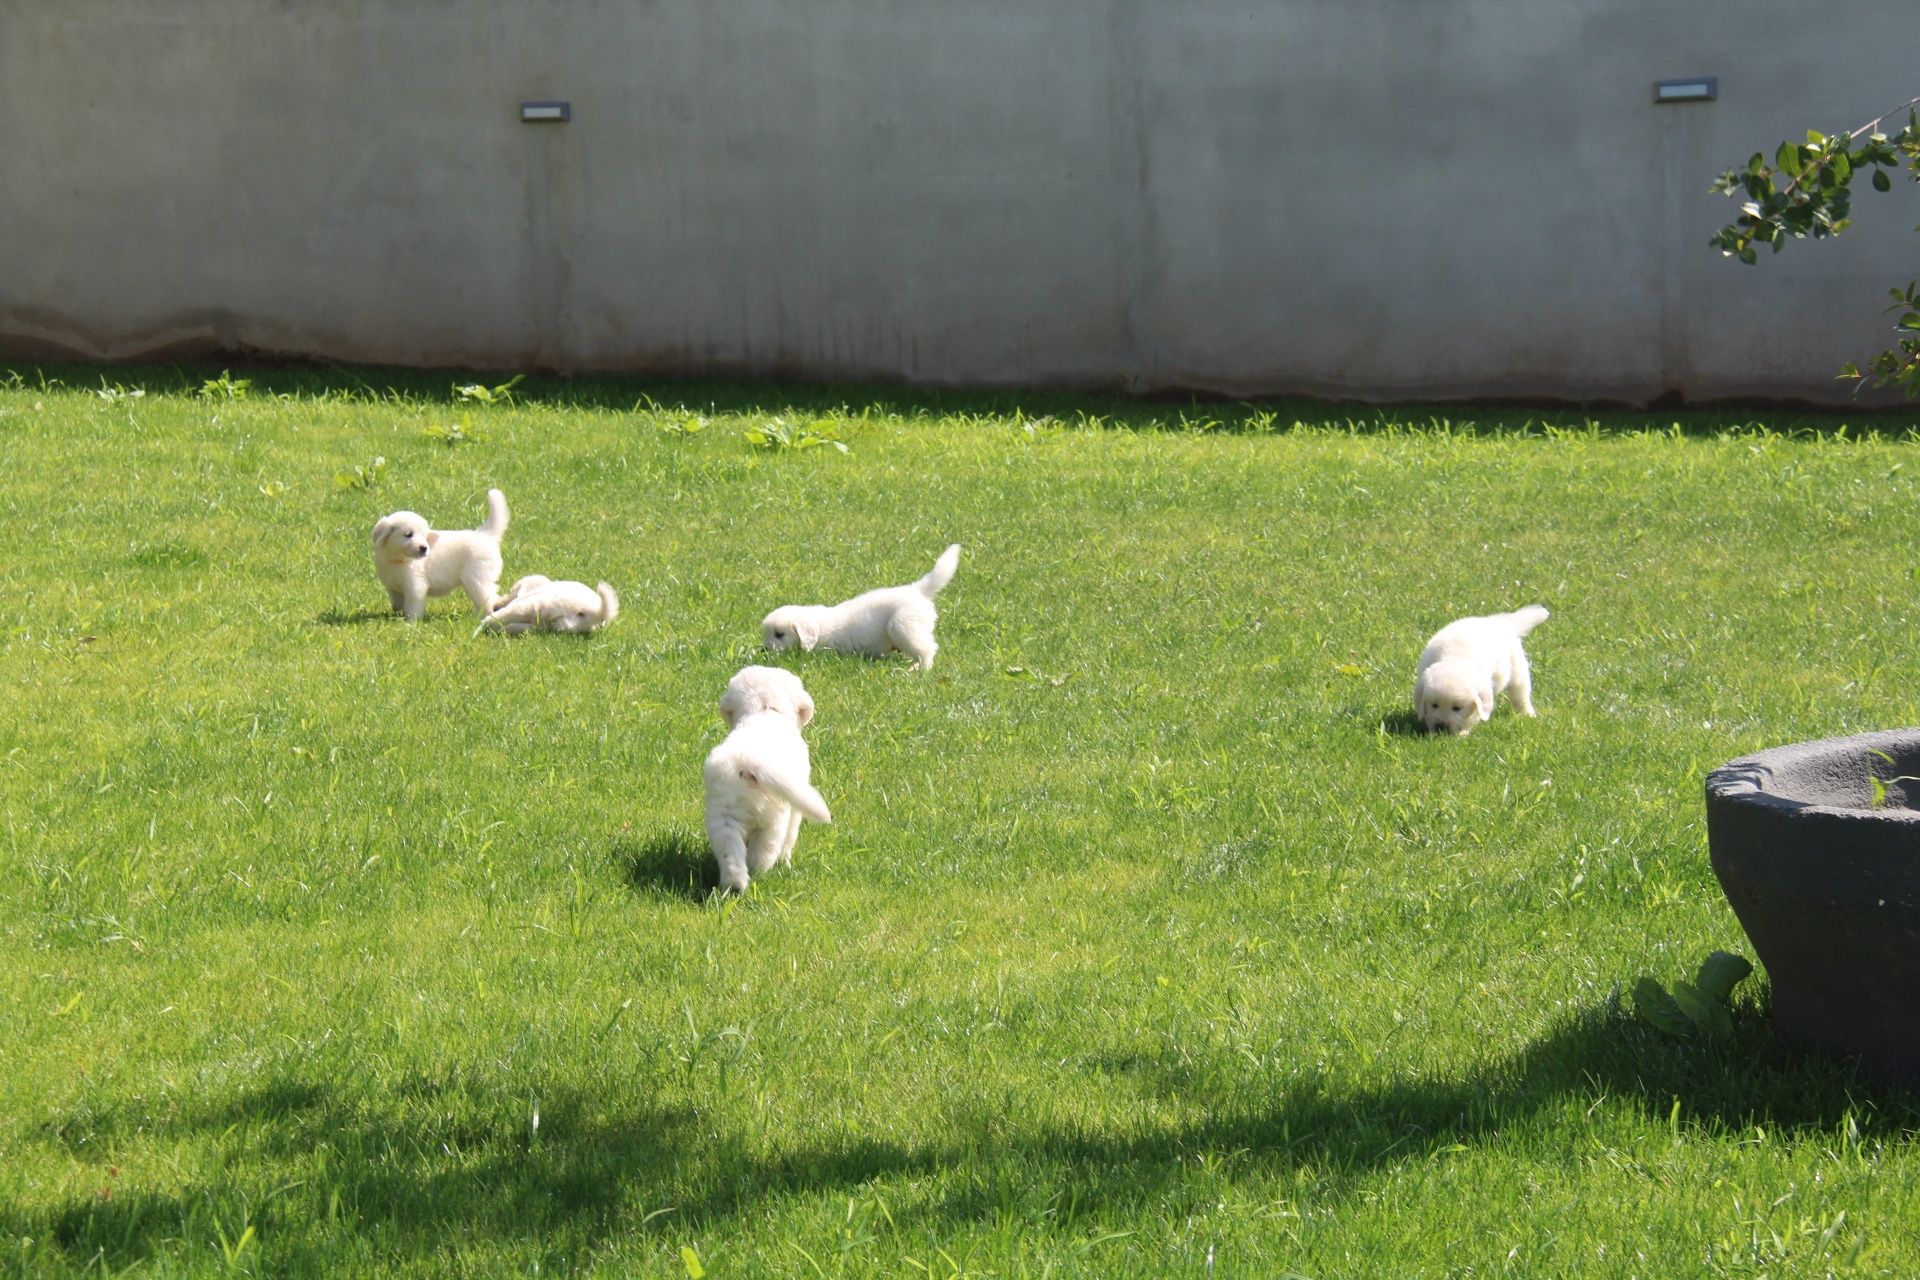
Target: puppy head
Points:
(787, 626)
(1449, 698)
(763, 689)
(578, 621)
(404, 535)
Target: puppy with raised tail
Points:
(759, 780)
(537, 602)
(1468, 664)
(876, 623)
(415, 561)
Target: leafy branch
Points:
(1806, 193)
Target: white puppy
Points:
(1469, 663)
(759, 780)
(876, 623)
(538, 601)
(414, 561)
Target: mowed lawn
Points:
(1147, 940)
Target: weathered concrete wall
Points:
(1380, 198)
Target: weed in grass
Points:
(362, 477)
(782, 432)
(453, 434)
(1701, 1007)
(480, 393)
(114, 393)
(225, 387)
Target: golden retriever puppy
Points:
(759, 780)
(537, 602)
(876, 623)
(1468, 664)
(414, 561)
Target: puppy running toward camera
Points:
(414, 561)
(876, 623)
(759, 780)
(537, 602)
(1469, 663)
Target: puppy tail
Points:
(1525, 620)
(942, 572)
(496, 524)
(796, 791)
(609, 603)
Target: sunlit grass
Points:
(1146, 938)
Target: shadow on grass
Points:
(338, 617)
(415, 1170)
(428, 1167)
(674, 863)
(1402, 724)
(767, 395)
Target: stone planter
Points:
(1827, 886)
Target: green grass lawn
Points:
(1147, 939)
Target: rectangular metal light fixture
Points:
(1695, 89)
(546, 112)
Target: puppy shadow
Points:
(338, 617)
(1404, 724)
(674, 863)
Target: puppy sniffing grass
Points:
(1468, 664)
(538, 602)
(759, 780)
(414, 561)
(876, 623)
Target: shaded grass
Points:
(1146, 934)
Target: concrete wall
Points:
(1247, 197)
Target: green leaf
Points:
(692, 1260)
(1707, 1014)
(1720, 973)
(1881, 182)
(1651, 1001)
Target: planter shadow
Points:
(1817, 847)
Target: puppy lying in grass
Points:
(1469, 663)
(759, 780)
(538, 602)
(876, 623)
(414, 561)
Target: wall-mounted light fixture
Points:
(1694, 89)
(546, 112)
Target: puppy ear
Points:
(729, 708)
(432, 537)
(804, 709)
(1483, 699)
(809, 636)
(381, 528)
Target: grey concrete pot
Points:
(1828, 888)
